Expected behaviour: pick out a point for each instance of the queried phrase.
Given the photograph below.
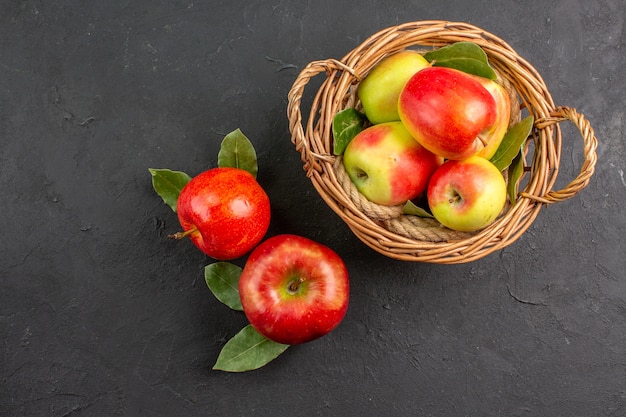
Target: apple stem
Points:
(182, 235)
(455, 198)
(483, 140)
(294, 284)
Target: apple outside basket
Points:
(412, 238)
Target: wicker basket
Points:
(412, 238)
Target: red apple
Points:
(293, 289)
(445, 110)
(380, 89)
(387, 165)
(224, 211)
(466, 195)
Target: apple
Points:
(387, 165)
(224, 211)
(293, 289)
(446, 110)
(466, 195)
(493, 136)
(380, 89)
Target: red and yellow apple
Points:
(380, 89)
(492, 137)
(293, 289)
(466, 195)
(387, 165)
(224, 211)
(446, 110)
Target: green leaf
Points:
(516, 169)
(247, 350)
(222, 278)
(464, 56)
(511, 143)
(237, 151)
(168, 184)
(415, 210)
(346, 125)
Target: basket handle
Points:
(590, 142)
(294, 113)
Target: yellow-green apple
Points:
(293, 289)
(380, 89)
(494, 135)
(446, 110)
(387, 165)
(466, 195)
(224, 211)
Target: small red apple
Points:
(446, 110)
(293, 289)
(467, 195)
(224, 211)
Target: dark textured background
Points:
(102, 315)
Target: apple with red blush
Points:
(447, 111)
(224, 211)
(293, 289)
(387, 165)
(466, 195)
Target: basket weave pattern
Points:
(412, 238)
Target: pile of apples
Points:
(432, 130)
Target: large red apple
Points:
(446, 110)
(387, 165)
(467, 195)
(224, 211)
(293, 289)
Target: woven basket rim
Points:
(338, 91)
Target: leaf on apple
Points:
(168, 184)
(248, 350)
(346, 125)
(516, 169)
(237, 151)
(512, 142)
(415, 210)
(463, 56)
(222, 278)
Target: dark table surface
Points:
(102, 315)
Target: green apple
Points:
(466, 195)
(380, 89)
(387, 165)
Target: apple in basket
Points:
(293, 289)
(380, 89)
(387, 165)
(494, 135)
(448, 111)
(466, 195)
